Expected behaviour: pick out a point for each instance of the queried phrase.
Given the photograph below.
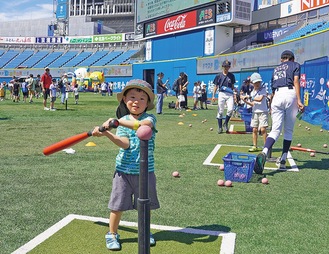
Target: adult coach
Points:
(285, 104)
(246, 90)
(224, 83)
(161, 90)
(46, 81)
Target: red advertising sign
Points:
(176, 23)
(302, 80)
(311, 4)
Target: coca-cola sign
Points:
(176, 23)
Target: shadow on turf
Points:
(178, 236)
(318, 165)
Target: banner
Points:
(62, 9)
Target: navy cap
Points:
(226, 63)
(287, 53)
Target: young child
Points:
(25, 90)
(258, 101)
(204, 97)
(16, 88)
(53, 92)
(76, 93)
(2, 90)
(135, 99)
(196, 95)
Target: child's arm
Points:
(134, 124)
(245, 99)
(122, 142)
(258, 98)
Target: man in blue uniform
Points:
(285, 103)
(224, 83)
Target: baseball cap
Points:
(256, 77)
(247, 80)
(226, 63)
(287, 53)
(140, 84)
(53, 79)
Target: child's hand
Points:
(107, 123)
(96, 133)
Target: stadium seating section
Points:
(34, 58)
(57, 58)
(307, 30)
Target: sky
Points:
(25, 9)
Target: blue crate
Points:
(238, 167)
(246, 117)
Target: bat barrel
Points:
(65, 143)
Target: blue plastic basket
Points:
(238, 167)
(246, 117)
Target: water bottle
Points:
(299, 114)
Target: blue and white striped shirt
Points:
(128, 160)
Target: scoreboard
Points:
(160, 17)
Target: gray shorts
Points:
(125, 191)
(259, 120)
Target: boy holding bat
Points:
(135, 100)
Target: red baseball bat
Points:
(295, 148)
(75, 139)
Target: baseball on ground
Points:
(220, 182)
(175, 174)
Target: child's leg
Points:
(115, 217)
(195, 103)
(254, 136)
(254, 139)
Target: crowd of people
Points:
(46, 87)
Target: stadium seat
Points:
(46, 61)
(78, 59)
(63, 59)
(36, 57)
(107, 58)
(7, 56)
(20, 58)
(306, 30)
(93, 58)
(124, 57)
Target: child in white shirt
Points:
(258, 101)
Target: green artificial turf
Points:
(88, 237)
(289, 215)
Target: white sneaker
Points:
(52, 109)
(281, 163)
(45, 108)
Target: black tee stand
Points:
(143, 202)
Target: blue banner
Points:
(61, 10)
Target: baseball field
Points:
(288, 215)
